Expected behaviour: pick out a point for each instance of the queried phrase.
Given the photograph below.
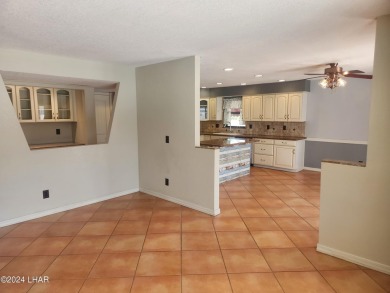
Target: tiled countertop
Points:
(233, 134)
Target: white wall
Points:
(341, 113)
(168, 104)
(355, 201)
(73, 174)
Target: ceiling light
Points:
(219, 83)
(332, 81)
(281, 80)
(243, 83)
(203, 87)
(228, 69)
(258, 75)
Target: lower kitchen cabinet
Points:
(263, 152)
(279, 154)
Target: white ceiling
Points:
(281, 39)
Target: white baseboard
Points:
(354, 259)
(183, 202)
(65, 208)
(312, 169)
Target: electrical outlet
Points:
(166, 181)
(58, 131)
(167, 139)
(45, 193)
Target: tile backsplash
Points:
(258, 127)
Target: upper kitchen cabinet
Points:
(290, 107)
(262, 108)
(12, 95)
(44, 104)
(246, 108)
(25, 104)
(204, 109)
(53, 104)
(215, 108)
(64, 104)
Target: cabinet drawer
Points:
(286, 142)
(263, 160)
(266, 141)
(264, 149)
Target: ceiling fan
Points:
(333, 76)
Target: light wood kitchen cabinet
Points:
(12, 95)
(290, 107)
(25, 104)
(204, 109)
(279, 154)
(53, 104)
(268, 108)
(246, 108)
(256, 108)
(215, 108)
(263, 152)
(289, 154)
(261, 108)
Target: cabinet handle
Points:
(288, 116)
(285, 116)
(19, 115)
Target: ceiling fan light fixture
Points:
(332, 81)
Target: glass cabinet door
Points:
(44, 104)
(12, 95)
(25, 104)
(204, 110)
(64, 103)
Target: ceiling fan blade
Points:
(354, 71)
(365, 76)
(314, 74)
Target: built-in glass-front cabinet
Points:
(53, 104)
(40, 104)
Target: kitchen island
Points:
(234, 156)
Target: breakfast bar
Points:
(234, 157)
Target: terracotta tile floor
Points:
(263, 241)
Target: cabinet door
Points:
(25, 104)
(246, 108)
(281, 103)
(44, 102)
(256, 108)
(284, 157)
(294, 107)
(63, 104)
(12, 96)
(268, 108)
(204, 109)
(213, 108)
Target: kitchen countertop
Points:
(234, 134)
(341, 162)
(224, 142)
(52, 145)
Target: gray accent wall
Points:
(255, 89)
(339, 114)
(316, 151)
